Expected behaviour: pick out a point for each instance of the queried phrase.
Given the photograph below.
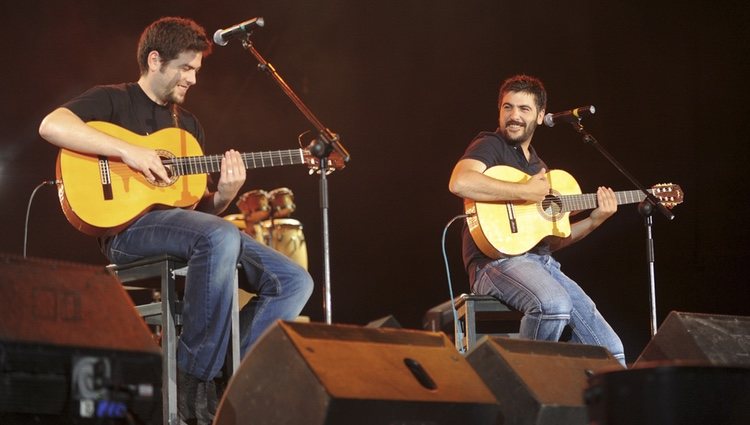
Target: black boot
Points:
(196, 400)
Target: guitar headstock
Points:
(668, 194)
(335, 162)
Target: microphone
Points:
(572, 115)
(222, 36)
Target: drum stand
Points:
(645, 208)
(321, 147)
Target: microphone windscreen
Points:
(549, 121)
(218, 39)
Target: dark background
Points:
(407, 84)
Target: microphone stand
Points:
(646, 207)
(321, 147)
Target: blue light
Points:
(110, 409)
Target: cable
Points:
(28, 210)
(459, 332)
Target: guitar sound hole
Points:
(166, 156)
(551, 206)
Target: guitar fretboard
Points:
(587, 201)
(186, 165)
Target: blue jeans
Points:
(535, 285)
(212, 247)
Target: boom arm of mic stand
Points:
(328, 137)
(589, 139)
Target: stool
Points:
(167, 314)
(472, 309)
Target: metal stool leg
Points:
(170, 319)
(471, 325)
(233, 352)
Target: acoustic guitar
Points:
(512, 228)
(102, 195)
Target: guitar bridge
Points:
(511, 217)
(105, 178)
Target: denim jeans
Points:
(212, 247)
(535, 285)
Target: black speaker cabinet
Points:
(539, 382)
(670, 394)
(311, 373)
(719, 340)
(72, 348)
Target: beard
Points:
(169, 92)
(173, 97)
(525, 135)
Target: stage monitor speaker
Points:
(539, 382)
(714, 339)
(314, 374)
(385, 322)
(670, 395)
(72, 348)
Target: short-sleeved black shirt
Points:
(492, 149)
(129, 107)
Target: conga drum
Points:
(282, 202)
(254, 205)
(236, 219)
(285, 236)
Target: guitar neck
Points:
(187, 165)
(587, 201)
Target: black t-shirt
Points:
(491, 149)
(129, 107)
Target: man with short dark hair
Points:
(170, 54)
(531, 282)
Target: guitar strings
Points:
(573, 202)
(212, 163)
